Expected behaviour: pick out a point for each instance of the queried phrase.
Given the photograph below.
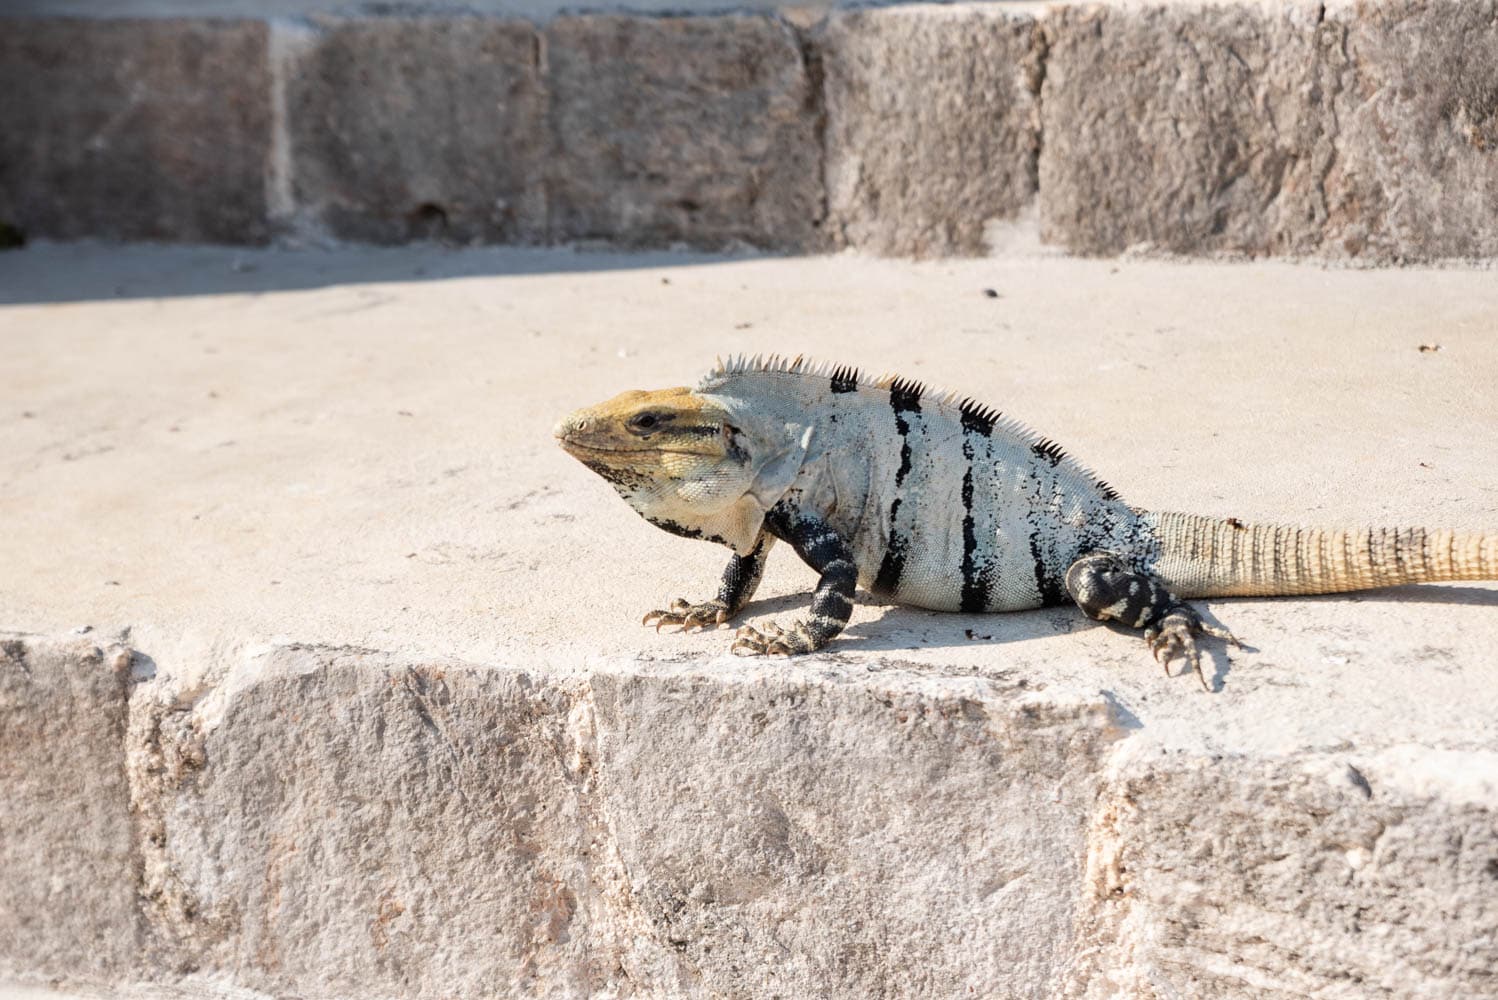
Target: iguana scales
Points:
(939, 502)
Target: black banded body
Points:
(945, 504)
(935, 501)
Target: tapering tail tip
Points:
(1223, 557)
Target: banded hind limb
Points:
(740, 579)
(1105, 588)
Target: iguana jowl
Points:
(942, 503)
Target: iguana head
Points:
(673, 455)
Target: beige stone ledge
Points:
(389, 725)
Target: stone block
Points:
(1416, 131)
(337, 823)
(1357, 130)
(67, 877)
(331, 823)
(699, 130)
(405, 128)
(902, 835)
(1351, 874)
(135, 129)
(1196, 129)
(933, 125)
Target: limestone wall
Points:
(1366, 131)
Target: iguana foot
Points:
(775, 641)
(1175, 635)
(1105, 588)
(688, 615)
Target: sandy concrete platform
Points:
(362, 705)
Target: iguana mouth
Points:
(575, 446)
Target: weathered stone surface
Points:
(1193, 128)
(67, 906)
(1361, 130)
(328, 488)
(152, 129)
(338, 824)
(1416, 131)
(897, 835)
(483, 831)
(1347, 874)
(933, 125)
(417, 128)
(702, 130)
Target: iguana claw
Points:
(774, 641)
(688, 615)
(1175, 636)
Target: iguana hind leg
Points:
(1105, 588)
(740, 579)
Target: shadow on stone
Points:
(101, 271)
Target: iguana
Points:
(939, 502)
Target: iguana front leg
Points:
(824, 550)
(1106, 589)
(740, 578)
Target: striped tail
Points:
(1209, 557)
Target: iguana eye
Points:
(645, 422)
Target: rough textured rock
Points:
(933, 125)
(702, 130)
(341, 823)
(898, 835)
(417, 128)
(68, 904)
(336, 824)
(472, 830)
(153, 130)
(1193, 128)
(1416, 131)
(1361, 130)
(1345, 874)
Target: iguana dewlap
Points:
(939, 502)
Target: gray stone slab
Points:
(409, 128)
(933, 125)
(336, 823)
(1416, 131)
(896, 835)
(67, 907)
(1194, 129)
(1356, 130)
(148, 130)
(1343, 873)
(699, 130)
(342, 823)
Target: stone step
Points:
(1365, 131)
(323, 673)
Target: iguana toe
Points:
(774, 641)
(1176, 636)
(688, 615)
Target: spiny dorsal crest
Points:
(846, 378)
